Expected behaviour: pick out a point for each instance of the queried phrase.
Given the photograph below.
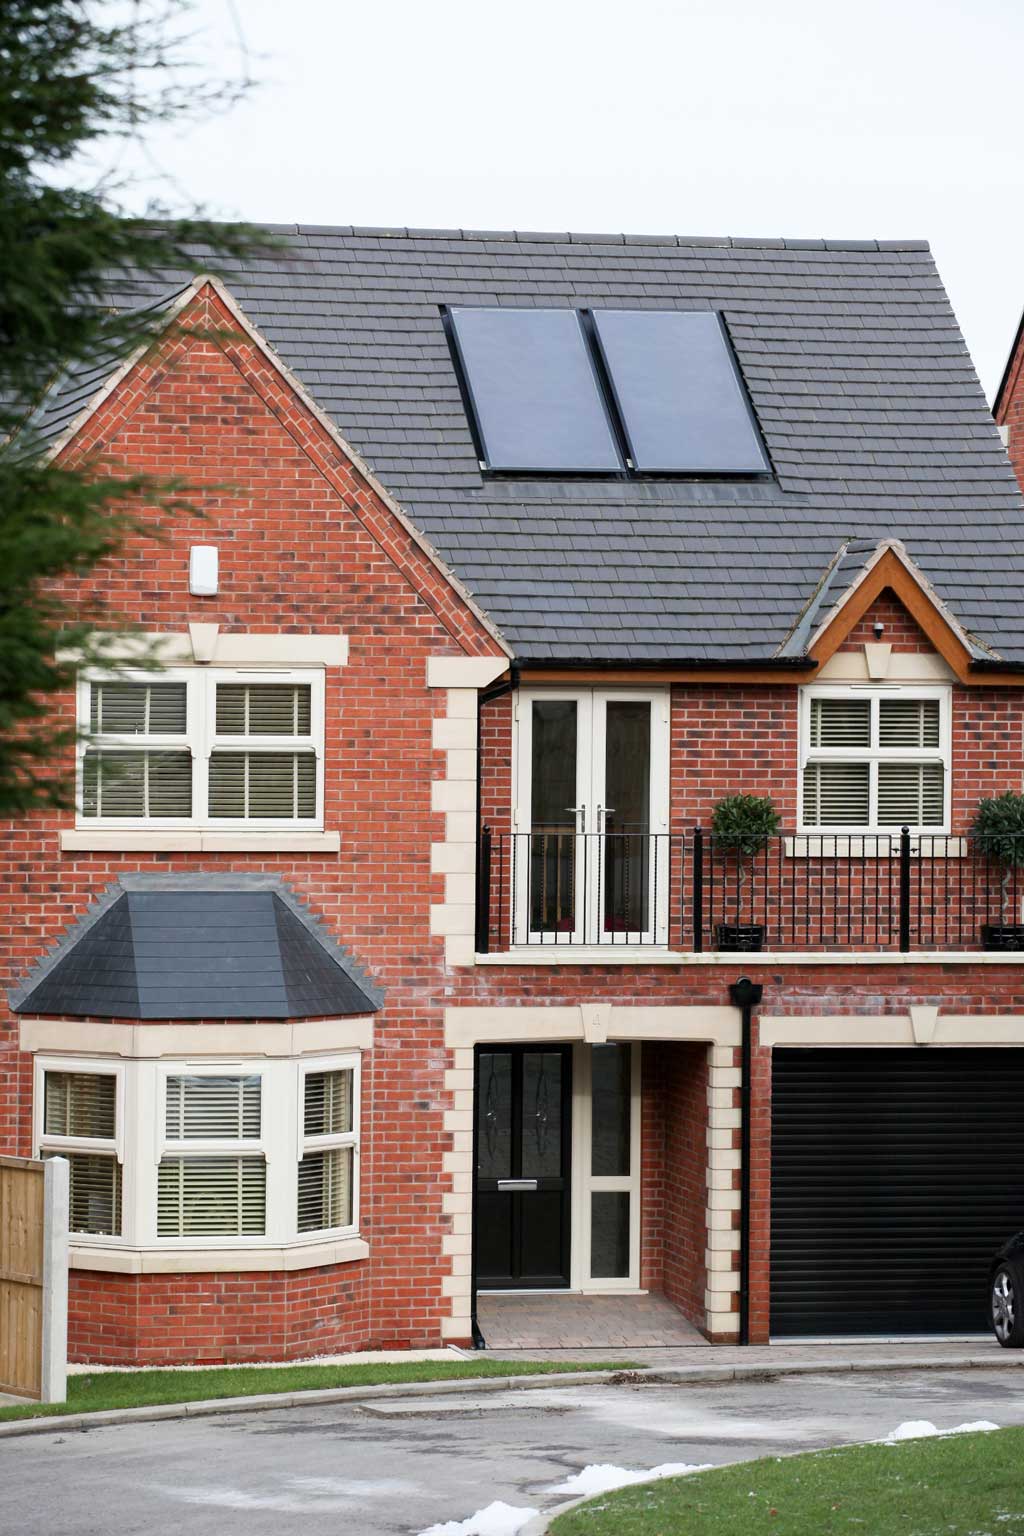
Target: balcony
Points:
(822, 892)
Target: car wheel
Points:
(1006, 1306)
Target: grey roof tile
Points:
(872, 414)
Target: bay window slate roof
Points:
(197, 951)
(864, 391)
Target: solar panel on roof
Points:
(533, 391)
(679, 392)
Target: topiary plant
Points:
(997, 832)
(743, 824)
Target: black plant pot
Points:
(1002, 935)
(740, 936)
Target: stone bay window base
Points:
(606, 1143)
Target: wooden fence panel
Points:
(22, 1278)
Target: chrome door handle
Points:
(510, 1186)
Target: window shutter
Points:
(264, 709)
(153, 784)
(327, 1110)
(212, 1197)
(137, 709)
(908, 723)
(325, 1190)
(836, 794)
(840, 722)
(213, 1108)
(276, 785)
(80, 1104)
(911, 794)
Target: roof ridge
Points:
(576, 237)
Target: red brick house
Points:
(389, 959)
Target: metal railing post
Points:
(483, 893)
(904, 889)
(698, 890)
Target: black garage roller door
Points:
(895, 1176)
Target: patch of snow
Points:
(293, 1495)
(920, 1429)
(602, 1477)
(497, 1519)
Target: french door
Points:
(591, 850)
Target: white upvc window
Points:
(210, 1155)
(874, 758)
(212, 1171)
(190, 747)
(79, 1114)
(328, 1149)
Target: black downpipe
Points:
(479, 1342)
(744, 995)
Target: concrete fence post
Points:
(55, 1280)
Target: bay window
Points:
(875, 759)
(194, 1156)
(202, 748)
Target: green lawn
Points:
(138, 1389)
(965, 1485)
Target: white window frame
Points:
(262, 1146)
(141, 1141)
(42, 1142)
(201, 740)
(873, 755)
(586, 1183)
(307, 1144)
(590, 816)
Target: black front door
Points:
(523, 1159)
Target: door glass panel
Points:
(627, 848)
(609, 1235)
(494, 1115)
(610, 1076)
(553, 829)
(542, 1114)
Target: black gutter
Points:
(994, 664)
(691, 663)
(745, 995)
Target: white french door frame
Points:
(591, 811)
(585, 1183)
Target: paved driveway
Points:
(400, 1466)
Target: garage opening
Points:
(895, 1176)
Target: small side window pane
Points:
(80, 1104)
(327, 1109)
(325, 1190)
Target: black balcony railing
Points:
(816, 892)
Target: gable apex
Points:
(207, 285)
(890, 567)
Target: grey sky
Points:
(883, 118)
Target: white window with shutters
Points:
(79, 1114)
(328, 1146)
(192, 748)
(874, 759)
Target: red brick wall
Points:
(902, 630)
(174, 1319)
(676, 1077)
(305, 544)
(1010, 412)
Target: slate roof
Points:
(197, 948)
(867, 399)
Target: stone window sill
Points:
(871, 845)
(127, 840)
(191, 1261)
